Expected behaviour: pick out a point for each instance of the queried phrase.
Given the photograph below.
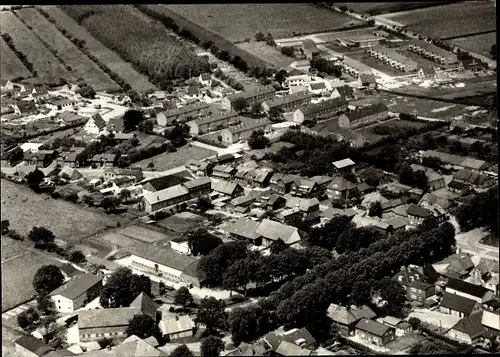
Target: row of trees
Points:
(480, 211)
(8, 40)
(326, 66)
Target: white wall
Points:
(63, 304)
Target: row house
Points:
(298, 80)
(183, 114)
(251, 96)
(295, 185)
(224, 172)
(212, 123)
(164, 198)
(198, 187)
(353, 67)
(61, 104)
(288, 103)
(320, 111)
(244, 131)
(393, 59)
(103, 160)
(363, 116)
(433, 52)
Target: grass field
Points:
(330, 37)
(78, 63)
(123, 69)
(236, 22)
(169, 160)
(449, 20)
(44, 63)
(25, 209)
(382, 7)
(11, 248)
(393, 127)
(480, 44)
(10, 66)
(267, 53)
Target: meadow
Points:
(76, 62)
(10, 65)
(375, 8)
(480, 44)
(169, 160)
(266, 53)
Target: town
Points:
(177, 188)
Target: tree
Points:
(123, 287)
(259, 36)
(143, 326)
(428, 142)
(238, 275)
(270, 40)
(211, 313)
(34, 178)
(256, 110)
(178, 134)
(391, 291)
(328, 235)
(146, 126)
(131, 119)
(86, 91)
(276, 114)
(288, 51)
(280, 76)
(26, 318)
(456, 147)
(343, 8)
(105, 342)
(211, 347)
(41, 236)
(77, 257)
(47, 279)
(375, 209)
(125, 195)
(181, 351)
(257, 140)
(278, 246)
(414, 322)
(240, 104)
(204, 203)
(45, 305)
(202, 242)
(110, 203)
(183, 297)
(5, 226)
(317, 255)
(493, 51)
(249, 323)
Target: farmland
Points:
(44, 63)
(77, 62)
(266, 53)
(169, 160)
(66, 220)
(375, 8)
(330, 37)
(449, 20)
(139, 40)
(10, 66)
(281, 21)
(480, 44)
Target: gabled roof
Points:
(340, 164)
(246, 228)
(457, 303)
(345, 91)
(318, 86)
(471, 325)
(165, 194)
(373, 327)
(176, 324)
(216, 117)
(206, 76)
(98, 121)
(135, 347)
(146, 305)
(77, 286)
(252, 92)
(363, 312)
(467, 288)
(286, 348)
(275, 230)
(249, 126)
(115, 124)
(163, 182)
(341, 314)
(491, 320)
(341, 184)
(406, 273)
(225, 187)
(26, 107)
(193, 90)
(34, 345)
(163, 255)
(363, 112)
(415, 210)
(324, 105)
(287, 99)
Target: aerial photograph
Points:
(249, 179)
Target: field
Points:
(142, 234)
(11, 248)
(169, 160)
(449, 20)
(66, 220)
(10, 66)
(382, 7)
(393, 127)
(123, 69)
(330, 37)
(266, 53)
(77, 62)
(480, 44)
(44, 63)
(237, 22)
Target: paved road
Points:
(468, 242)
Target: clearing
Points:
(266, 53)
(169, 160)
(76, 61)
(123, 69)
(10, 65)
(480, 44)
(68, 221)
(444, 21)
(237, 22)
(44, 63)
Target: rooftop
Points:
(163, 255)
(106, 317)
(373, 327)
(77, 286)
(165, 194)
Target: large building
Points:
(76, 293)
(432, 52)
(320, 111)
(288, 103)
(251, 96)
(244, 131)
(360, 41)
(212, 123)
(183, 114)
(95, 125)
(394, 59)
(353, 67)
(363, 116)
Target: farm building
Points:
(288, 103)
(363, 116)
(115, 125)
(107, 97)
(96, 324)
(471, 291)
(177, 327)
(182, 114)
(432, 52)
(310, 49)
(251, 96)
(272, 231)
(95, 125)
(212, 123)
(76, 293)
(164, 198)
(244, 131)
(393, 59)
(457, 305)
(320, 111)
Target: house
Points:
(200, 168)
(29, 346)
(318, 88)
(345, 318)
(275, 202)
(402, 327)
(301, 338)
(71, 174)
(205, 79)
(95, 125)
(288, 103)
(331, 212)
(105, 96)
(472, 64)
(198, 187)
(353, 67)
(415, 283)
(466, 178)
(470, 291)
(271, 231)
(154, 201)
(310, 49)
(301, 80)
(122, 99)
(115, 125)
(224, 172)
(306, 206)
(76, 293)
(228, 188)
(246, 229)
(244, 131)
(281, 183)
(417, 214)
(146, 305)
(363, 116)
(95, 324)
(320, 111)
(393, 58)
(193, 92)
(491, 322)
(468, 330)
(177, 327)
(375, 332)
(432, 52)
(103, 160)
(340, 189)
(61, 104)
(435, 180)
(457, 305)
(344, 165)
(11, 157)
(259, 177)
(133, 346)
(258, 348)
(183, 114)
(344, 92)
(251, 96)
(6, 86)
(430, 201)
(24, 108)
(213, 123)
(41, 158)
(163, 182)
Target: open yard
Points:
(76, 62)
(266, 53)
(237, 22)
(10, 66)
(123, 69)
(44, 63)
(169, 160)
(480, 44)
(449, 20)
(25, 209)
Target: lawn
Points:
(11, 248)
(266, 53)
(237, 22)
(123, 69)
(449, 20)
(169, 160)
(10, 66)
(44, 63)
(480, 44)
(25, 209)
(76, 62)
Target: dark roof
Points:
(457, 303)
(345, 90)
(245, 227)
(164, 256)
(415, 210)
(366, 111)
(325, 105)
(467, 288)
(367, 79)
(287, 99)
(146, 305)
(26, 107)
(70, 270)
(77, 286)
(99, 121)
(34, 345)
(318, 85)
(115, 124)
(406, 273)
(373, 327)
(193, 90)
(252, 92)
(471, 325)
(163, 182)
(206, 76)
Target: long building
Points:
(288, 103)
(363, 116)
(182, 114)
(251, 96)
(353, 67)
(322, 110)
(244, 131)
(212, 123)
(393, 59)
(363, 41)
(433, 52)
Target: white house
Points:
(7, 86)
(95, 125)
(105, 96)
(76, 293)
(205, 79)
(122, 100)
(299, 80)
(177, 327)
